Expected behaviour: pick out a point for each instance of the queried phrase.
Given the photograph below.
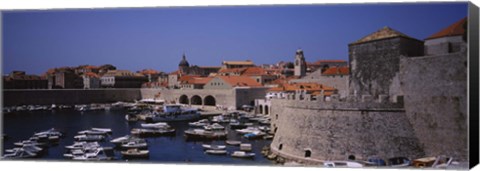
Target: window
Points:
(280, 147)
(308, 153)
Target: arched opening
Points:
(351, 157)
(280, 147)
(209, 100)
(183, 99)
(308, 153)
(196, 100)
(266, 110)
(260, 109)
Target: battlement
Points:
(300, 98)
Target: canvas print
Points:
(350, 85)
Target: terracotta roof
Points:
(247, 62)
(91, 74)
(210, 67)
(122, 73)
(452, 30)
(231, 70)
(199, 80)
(254, 71)
(90, 67)
(148, 71)
(309, 87)
(337, 71)
(185, 78)
(384, 33)
(240, 81)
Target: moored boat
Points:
(135, 153)
(204, 134)
(232, 142)
(139, 143)
(173, 113)
(213, 147)
(89, 137)
(243, 154)
(152, 132)
(216, 152)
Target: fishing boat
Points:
(139, 143)
(216, 152)
(232, 142)
(213, 147)
(213, 127)
(20, 154)
(135, 153)
(246, 147)
(199, 123)
(204, 134)
(243, 154)
(348, 164)
(152, 132)
(155, 125)
(173, 113)
(89, 138)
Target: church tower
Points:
(183, 65)
(300, 66)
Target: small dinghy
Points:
(135, 153)
(232, 142)
(213, 147)
(216, 152)
(242, 154)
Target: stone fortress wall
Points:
(68, 96)
(335, 130)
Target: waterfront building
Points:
(193, 82)
(90, 80)
(65, 78)
(20, 80)
(122, 79)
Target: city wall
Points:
(68, 96)
(435, 97)
(336, 130)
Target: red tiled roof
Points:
(231, 70)
(337, 71)
(309, 87)
(452, 30)
(240, 81)
(149, 71)
(185, 78)
(254, 71)
(91, 74)
(199, 80)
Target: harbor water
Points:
(20, 126)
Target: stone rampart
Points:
(68, 96)
(435, 100)
(330, 130)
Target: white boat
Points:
(232, 142)
(248, 130)
(217, 152)
(107, 130)
(214, 126)
(130, 153)
(175, 113)
(199, 123)
(123, 139)
(92, 132)
(98, 154)
(347, 164)
(242, 154)
(48, 133)
(213, 147)
(140, 143)
(155, 125)
(20, 154)
(89, 137)
(82, 145)
(246, 147)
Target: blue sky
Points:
(156, 38)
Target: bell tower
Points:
(300, 66)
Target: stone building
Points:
(184, 68)
(65, 78)
(90, 80)
(300, 66)
(122, 79)
(336, 77)
(237, 64)
(374, 61)
(20, 80)
(447, 40)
